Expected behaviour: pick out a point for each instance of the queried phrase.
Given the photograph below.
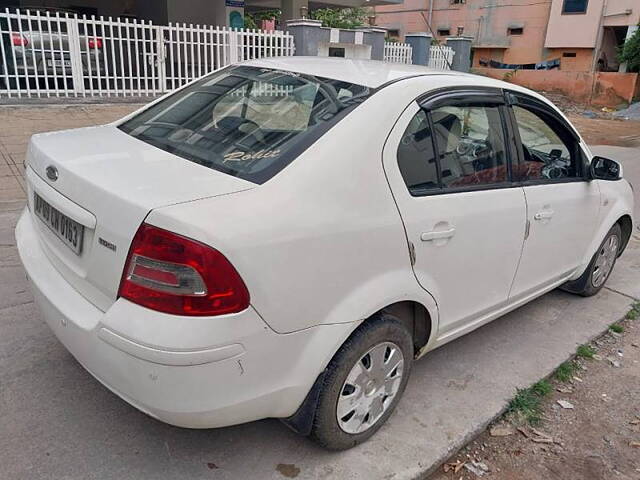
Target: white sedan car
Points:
(284, 237)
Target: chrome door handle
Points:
(543, 215)
(437, 234)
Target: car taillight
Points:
(18, 40)
(95, 43)
(174, 274)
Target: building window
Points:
(444, 32)
(393, 35)
(515, 31)
(575, 6)
(569, 54)
(458, 2)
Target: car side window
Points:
(416, 158)
(548, 151)
(471, 145)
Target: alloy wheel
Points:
(370, 387)
(604, 261)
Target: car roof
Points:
(370, 73)
(375, 74)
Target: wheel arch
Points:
(626, 225)
(414, 315)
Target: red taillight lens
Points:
(95, 42)
(18, 40)
(174, 274)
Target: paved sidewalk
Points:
(19, 123)
(57, 422)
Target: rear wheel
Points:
(600, 267)
(363, 383)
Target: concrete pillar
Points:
(630, 31)
(307, 35)
(420, 47)
(374, 36)
(291, 9)
(462, 57)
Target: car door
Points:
(448, 164)
(562, 205)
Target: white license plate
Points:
(69, 231)
(59, 63)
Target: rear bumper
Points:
(187, 371)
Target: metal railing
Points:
(45, 54)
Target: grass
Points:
(634, 313)
(585, 351)
(616, 327)
(527, 403)
(565, 371)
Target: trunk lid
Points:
(108, 182)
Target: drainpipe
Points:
(430, 11)
(599, 38)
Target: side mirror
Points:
(605, 169)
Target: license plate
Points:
(69, 231)
(59, 63)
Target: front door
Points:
(448, 166)
(562, 206)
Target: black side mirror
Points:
(605, 169)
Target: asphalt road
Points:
(57, 422)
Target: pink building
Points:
(586, 33)
(582, 34)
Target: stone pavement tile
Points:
(17, 158)
(5, 169)
(14, 289)
(12, 139)
(15, 148)
(10, 192)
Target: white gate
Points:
(440, 57)
(45, 54)
(397, 52)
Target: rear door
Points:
(448, 164)
(562, 205)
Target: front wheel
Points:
(600, 267)
(363, 383)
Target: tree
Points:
(251, 20)
(629, 53)
(341, 17)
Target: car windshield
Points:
(248, 122)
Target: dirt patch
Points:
(621, 133)
(599, 438)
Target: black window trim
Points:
(534, 105)
(465, 95)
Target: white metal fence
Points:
(45, 54)
(397, 52)
(440, 57)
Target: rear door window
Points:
(455, 147)
(248, 122)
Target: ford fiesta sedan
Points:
(285, 237)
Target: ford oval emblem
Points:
(52, 173)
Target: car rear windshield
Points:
(248, 122)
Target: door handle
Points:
(437, 234)
(543, 215)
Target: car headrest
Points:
(448, 130)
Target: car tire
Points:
(368, 374)
(600, 266)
